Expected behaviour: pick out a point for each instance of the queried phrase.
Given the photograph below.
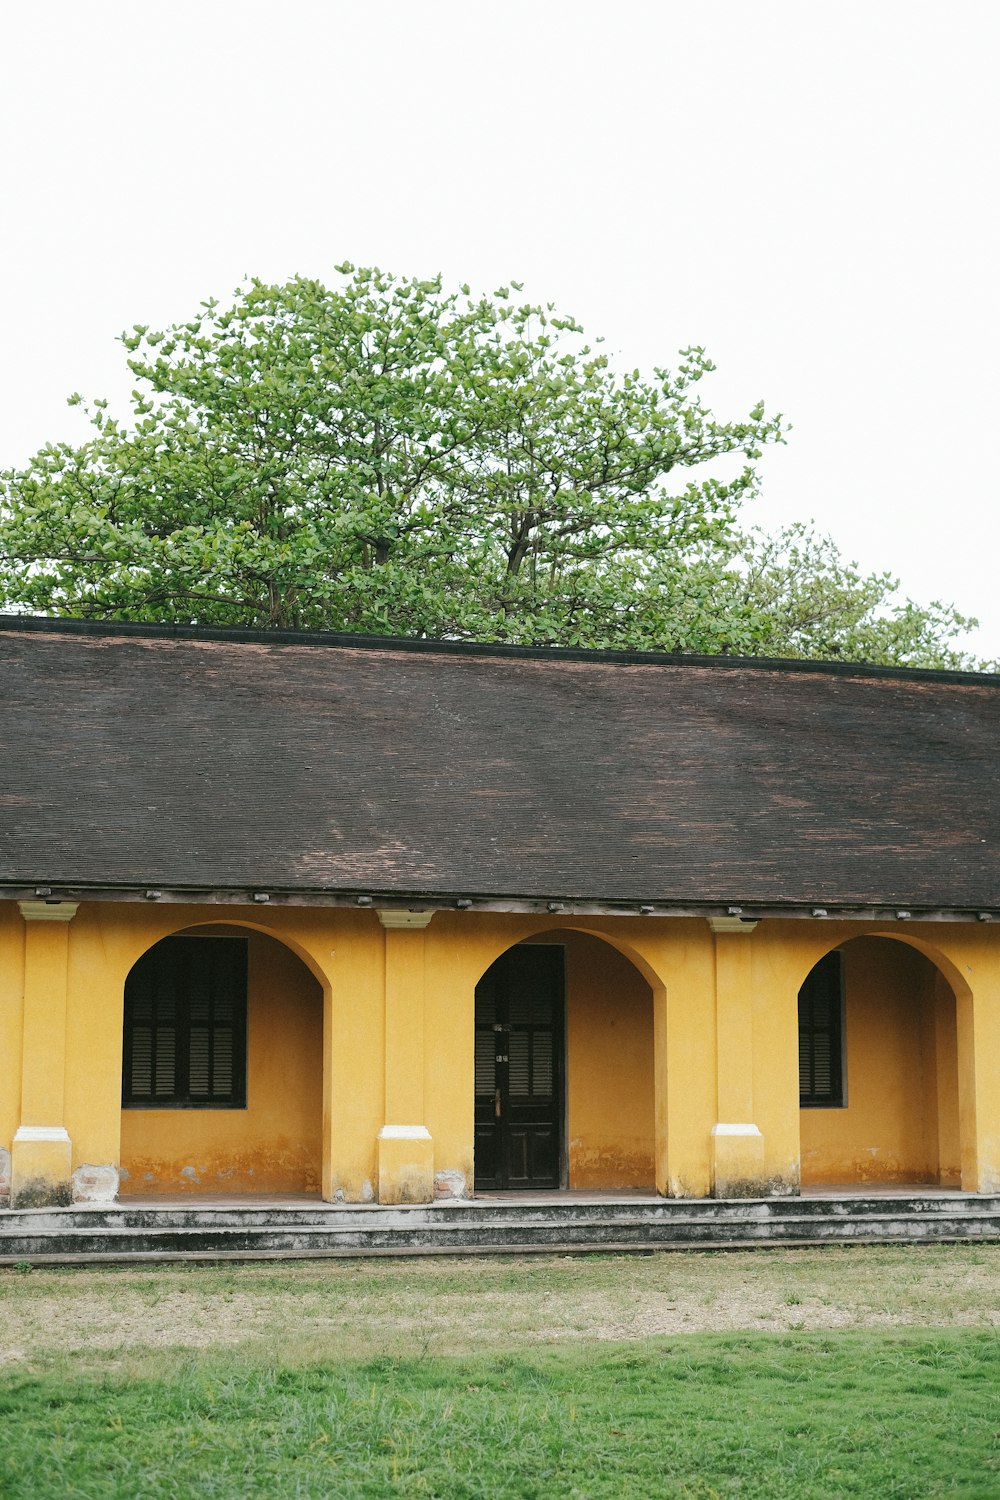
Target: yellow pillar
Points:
(41, 1154)
(978, 1015)
(405, 1148)
(681, 962)
(737, 1144)
(661, 1093)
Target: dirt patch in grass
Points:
(318, 1310)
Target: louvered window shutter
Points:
(185, 1025)
(821, 1007)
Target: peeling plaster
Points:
(95, 1184)
(449, 1184)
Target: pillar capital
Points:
(410, 919)
(48, 911)
(731, 924)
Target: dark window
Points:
(186, 1025)
(821, 1011)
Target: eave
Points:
(553, 906)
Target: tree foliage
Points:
(798, 597)
(394, 457)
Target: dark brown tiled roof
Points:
(202, 760)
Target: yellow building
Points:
(396, 921)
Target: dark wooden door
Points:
(519, 1070)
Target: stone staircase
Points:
(124, 1233)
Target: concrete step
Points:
(54, 1236)
(333, 1217)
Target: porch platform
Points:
(296, 1226)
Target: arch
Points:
(131, 953)
(948, 967)
(264, 1137)
(888, 1013)
(603, 1066)
(531, 928)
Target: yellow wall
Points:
(275, 1144)
(901, 1075)
(609, 1067)
(609, 1044)
(676, 1031)
(11, 993)
(942, 1077)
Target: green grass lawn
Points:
(299, 1400)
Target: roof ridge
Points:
(241, 635)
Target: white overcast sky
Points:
(808, 189)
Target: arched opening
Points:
(564, 1068)
(878, 1069)
(222, 1086)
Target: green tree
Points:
(796, 596)
(394, 457)
(384, 456)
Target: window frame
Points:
(182, 1025)
(836, 1031)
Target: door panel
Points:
(519, 1069)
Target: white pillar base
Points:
(738, 1162)
(41, 1167)
(405, 1164)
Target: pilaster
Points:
(737, 1143)
(405, 1149)
(41, 1152)
(978, 1016)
